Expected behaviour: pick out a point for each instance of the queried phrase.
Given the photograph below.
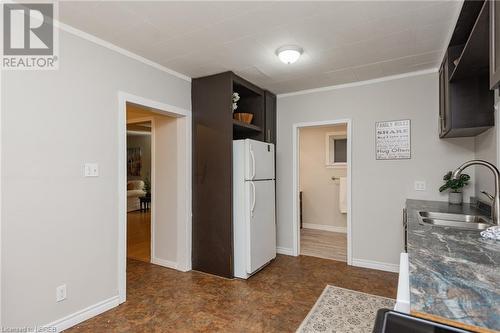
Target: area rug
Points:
(340, 310)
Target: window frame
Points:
(328, 158)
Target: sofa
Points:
(135, 189)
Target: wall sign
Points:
(393, 140)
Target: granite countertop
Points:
(454, 274)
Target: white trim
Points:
(84, 314)
(295, 181)
(185, 234)
(1, 188)
(403, 295)
(184, 243)
(157, 107)
(359, 83)
(324, 227)
(381, 266)
(113, 47)
(284, 250)
(164, 263)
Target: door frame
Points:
(184, 225)
(296, 175)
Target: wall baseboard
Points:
(381, 266)
(325, 227)
(84, 314)
(164, 263)
(284, 250)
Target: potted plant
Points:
(147, 186)
(455, 186)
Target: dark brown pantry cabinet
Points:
(214, 130)
(466, 103)
(494, 44)
(270, 124)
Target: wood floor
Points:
(276, 299)
(323, 244)
(139, 235)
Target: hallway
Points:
(139, 235)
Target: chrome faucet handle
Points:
(488, 195)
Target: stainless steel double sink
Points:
(461, 221)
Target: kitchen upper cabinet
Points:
(465, 99)
(444, 110)
(270, 124)
(494, 44)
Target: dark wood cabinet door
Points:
(270, 123)
(212, 175)
(494, 44)
(444, 107)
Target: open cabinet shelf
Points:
(251, 101)
(474, 56)
(244, 127)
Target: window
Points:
(336, 150)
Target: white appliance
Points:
(254, 224)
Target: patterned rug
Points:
(341, 310)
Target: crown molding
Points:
(359, 83)
(113, 47)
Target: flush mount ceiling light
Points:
(289, 54)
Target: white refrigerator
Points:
(254, 224)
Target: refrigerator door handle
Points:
(253, 199)
(253, 163)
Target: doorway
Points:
(139, 187)
(322, 176)
(169, 234)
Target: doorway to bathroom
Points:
(323, 179)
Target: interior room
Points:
(323, 191)
(250, 166)
(139, 191)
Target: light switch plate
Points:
(61, 293)
(91, 170)
(420, 185)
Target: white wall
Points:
(166, 191)
(486, 146)
(57, 226)
(379, 188)
(320, 194)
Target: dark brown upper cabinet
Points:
(465, 99)
(214, 129)
(270, 124)
(494, 44)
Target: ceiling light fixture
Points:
(289, 54)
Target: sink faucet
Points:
(495, 208)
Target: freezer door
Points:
(261, 226)
(259, 158)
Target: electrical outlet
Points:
(61, 293)
(420, 185)
(91, 170)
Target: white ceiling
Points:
(342, 41)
